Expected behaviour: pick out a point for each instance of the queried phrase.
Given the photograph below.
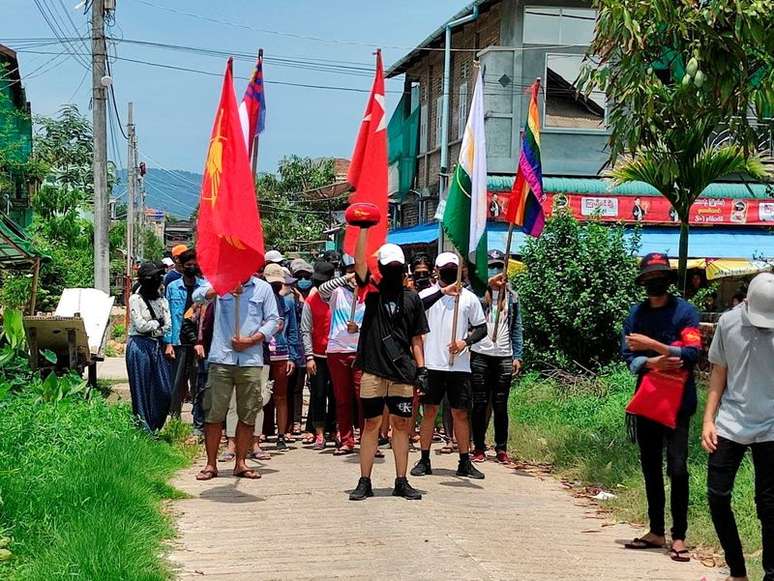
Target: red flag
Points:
(229, 233)
(368, 169)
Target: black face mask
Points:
(392, 277)
(422, 281)
(447, 276)
(191, 271)
(657, 287)
(149, 287)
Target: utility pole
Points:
(99, 83)
(141, 220)
(131, 181)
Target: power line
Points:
(53, 24)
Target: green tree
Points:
(575, 292)
(289, 219)
(676, 75)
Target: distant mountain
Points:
(174, 191)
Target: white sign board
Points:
(94, 307)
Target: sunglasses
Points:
(302, 275)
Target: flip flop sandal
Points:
(379, 454)
(227, 457)
(206, 475)
(261, 455)
(308, 440)
(447, 449)
(683, 556)
(343, 451)
(319, 444)
(641, 544)
(248, 473)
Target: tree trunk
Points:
(682, 267)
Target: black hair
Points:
(189, 254)
(420, 259)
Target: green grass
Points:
(82, 491)
(582, 433)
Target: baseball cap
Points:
(347, 260)
(149, 270)
(390, 253)
(178, 249)
(273, 273)
(323, 271)
(495, 256)
(760, 301)
(168, 261)
(655, 262)
(300, 265)
(274, 256)
(447, 259)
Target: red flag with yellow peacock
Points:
(229, 241)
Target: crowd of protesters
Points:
(369, 348)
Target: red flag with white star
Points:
(368, 170)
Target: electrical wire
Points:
(53, 24)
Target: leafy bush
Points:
(15, 290)
(81, 491)
(575, 292)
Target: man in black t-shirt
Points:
(391, 355)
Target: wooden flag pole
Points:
(504, 289)
(456, 316)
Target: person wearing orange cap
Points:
(177, 271)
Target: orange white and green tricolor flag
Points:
(525, 207)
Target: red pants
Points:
(346, 388)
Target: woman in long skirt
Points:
(148, 370)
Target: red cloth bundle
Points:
(660, 393)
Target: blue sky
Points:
(174, 109)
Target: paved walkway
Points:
(296, 523)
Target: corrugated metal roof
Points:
(402, 64)
(15, 248)
(603, 186)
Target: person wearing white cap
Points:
(274, 257)
(450, 377)
(390, 355)
(740, 415)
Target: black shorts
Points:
(453, 384)
(397, 406)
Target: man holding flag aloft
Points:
(390, 352)
(230, 250)
(455, 315)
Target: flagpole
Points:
(504, 289)
(456, 316)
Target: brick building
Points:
(515, 43)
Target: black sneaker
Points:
(467, 469)
(363, 489)
(422, 468)
(281, 445)
(404, 489)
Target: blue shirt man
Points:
(244, 320)
(257, 314)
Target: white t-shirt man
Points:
(439, 318)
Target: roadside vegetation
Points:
(82, 489)
(568, 410)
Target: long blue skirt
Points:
(149, 381)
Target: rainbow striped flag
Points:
(525, 207)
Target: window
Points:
(566, 107)
(462, 109)
(438, 120)
(423, 128)
(567, 26)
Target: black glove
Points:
(422, 380)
